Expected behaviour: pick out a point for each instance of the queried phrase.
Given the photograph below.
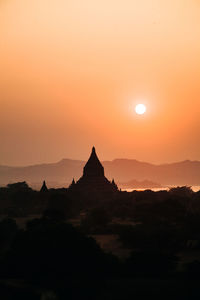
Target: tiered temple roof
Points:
(93, 178)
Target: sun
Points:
(140, 109)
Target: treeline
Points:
(51, 257)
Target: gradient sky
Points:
(72, 71)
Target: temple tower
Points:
(93, 167)
(93, 179)
(44, 187)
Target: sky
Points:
(72, 71)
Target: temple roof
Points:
(93, 179)
(93, 166)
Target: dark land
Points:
(92, 241)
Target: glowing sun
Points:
(140, 109)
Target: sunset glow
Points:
(70, 71)
(100, 149)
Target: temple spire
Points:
(72, 184)
(93, 166)
(44, 187)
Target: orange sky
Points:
(72, 71)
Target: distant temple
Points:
(93, 179)
(44, 187)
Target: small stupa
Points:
(93, 178)
(44, 187)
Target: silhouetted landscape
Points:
(92, 241)
(123, 170)
(99, 150)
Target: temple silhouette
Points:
(44, 187)
(93, 179)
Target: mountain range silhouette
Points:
(179, 173)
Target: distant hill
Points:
(122, 170)
(135, 184)
(180, 173)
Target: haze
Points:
(73, 71)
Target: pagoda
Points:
(44, 187)
(93, 179)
